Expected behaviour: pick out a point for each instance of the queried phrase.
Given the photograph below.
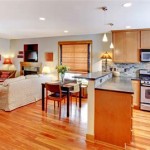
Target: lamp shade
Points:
(111, 45)
(7, 61)
(46, 70)
(106, 56)
(105, 39)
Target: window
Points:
(76, 56)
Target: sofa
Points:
(21, 91)
(5, 74)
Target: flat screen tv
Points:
(31, 56)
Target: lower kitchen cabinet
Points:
(113, 113)
(136, 95)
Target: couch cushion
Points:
(31, 76)
(41, 75)
(5, 74)
(11, 80)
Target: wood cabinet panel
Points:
(126, 46)
(132, 46)
(113, 114)
(119, 43)
(145, 39)
(136, 95)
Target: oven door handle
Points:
(145, 85)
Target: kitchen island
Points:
(109, 109)
(113, 111)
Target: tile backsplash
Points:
(130, 70)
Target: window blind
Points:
(75, 57)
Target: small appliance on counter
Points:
(145, 89)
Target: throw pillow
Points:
(5, 74)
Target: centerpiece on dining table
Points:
(62, 69)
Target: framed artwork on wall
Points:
(19, 56)
(20, 52)
(48, 56)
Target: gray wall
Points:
(50, 44)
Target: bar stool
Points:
(75, 92)
(84, 91)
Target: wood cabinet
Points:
(136, 95)
(126, 46)
(145, 39)
(113, 112)
(119, 47)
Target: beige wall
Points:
(50, 44)
(4, 51)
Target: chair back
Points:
(53, 88)
(76, 88)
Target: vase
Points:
(62, 77)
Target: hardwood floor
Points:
(28, 128)
(141, 130)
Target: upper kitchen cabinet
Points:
(132, 45)
(126, 46)
(145, 39)
(119, 47)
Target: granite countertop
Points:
(93, 75)
(117, 84)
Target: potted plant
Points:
(62, 69)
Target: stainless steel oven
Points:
(145, 89)
(145, 97)
(145, 55)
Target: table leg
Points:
(68, 100)
(80, 95)
(43, 96)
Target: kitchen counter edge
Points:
(117, 84)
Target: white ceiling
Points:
(20, 18)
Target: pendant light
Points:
(105, 39)
(111, 45)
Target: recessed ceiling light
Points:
(128, 27)
(66, 31)
(127, 4)
(42, 18)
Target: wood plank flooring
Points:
(28, 128)
(141, 130)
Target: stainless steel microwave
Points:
(145, 55)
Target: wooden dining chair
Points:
(54, 93)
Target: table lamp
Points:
(106, 56)
(7, 61)
(46, 70)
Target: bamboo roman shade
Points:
(75, 57)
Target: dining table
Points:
(66, 87)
